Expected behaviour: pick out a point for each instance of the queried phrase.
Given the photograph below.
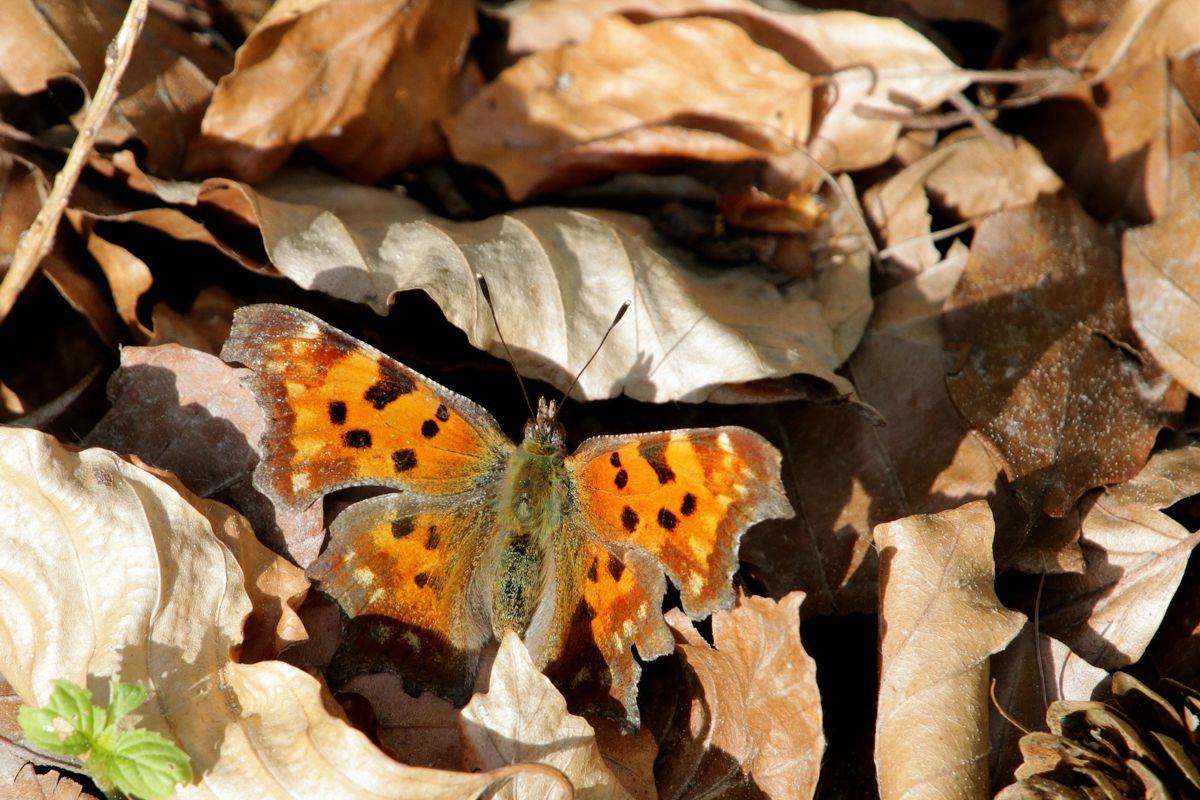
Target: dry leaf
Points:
(363, 83)
(165, 89)
(30, 785)
(632, 98)
(128, 578)
(847, 474)
(941, 621)
(1162, 278)
(1127, 132)
(1136, 556)
(968, 176)
(1032, 672)
(1052, 375)
(881, 71)
(422, 731)
(748, 716)
(556, 278)
(523, 718)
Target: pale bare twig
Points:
(36, 242)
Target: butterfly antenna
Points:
(620, 313)
(487, 296)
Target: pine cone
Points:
(1137, 745)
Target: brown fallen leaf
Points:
(31, 785)
(940, 621)
(1052, 374)
(1128, 129)
(422, 731)
(967, 176)
(1136, 556)
(743, 720)
(128, 578)
(1031, 673)
(215, 430)
(523, 718)
(848, 475)
(1162, 279)
(363, 83)
(878, 71)
(632, 97)
(164, 91)
(556, 277)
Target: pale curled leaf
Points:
(523, 718)
(163, 604)
(750, 710)
(941, 621)
(1136, 556)
(556, 277)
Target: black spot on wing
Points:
(337, 412)
(442, 413)
(433, 540)
(655, 454)
(615, 459)
(404, 460)
(629, 519)
(621, 479)
(667, 519)
(689, 504)
(429, 429)
(615, 567)
(592, 574)
(420, 579)
(390, 385)
(357, 438)
(401, 527)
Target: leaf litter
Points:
(980, 382)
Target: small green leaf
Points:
(123, 698)
(147, 764)
(136, 762)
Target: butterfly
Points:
(483, 535)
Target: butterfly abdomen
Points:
(531, 510)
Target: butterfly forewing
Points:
(685, 497)
(340, 413)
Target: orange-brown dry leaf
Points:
(188, 412)
(941, 621)
(204, 327)
(747, 714)
(162, 95)
(361, 82)
(630, 756)
(1032, 672)
(632, 97)
(878, 71)
(1162, 278)
(1136, 556)
(1051, 372)
(966, 177)
(28, 784)
(127, 275)
(23, 191)
(848, 475)
(1116, 143)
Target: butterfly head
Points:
(543, 434)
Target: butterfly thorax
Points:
(531, 510)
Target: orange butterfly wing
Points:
(401, 568)
(340, 413)
(676, 501)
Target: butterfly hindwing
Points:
(685, 497)
(340, 413)
(401, 568)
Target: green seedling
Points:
(122, 762)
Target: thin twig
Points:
(35, 242)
